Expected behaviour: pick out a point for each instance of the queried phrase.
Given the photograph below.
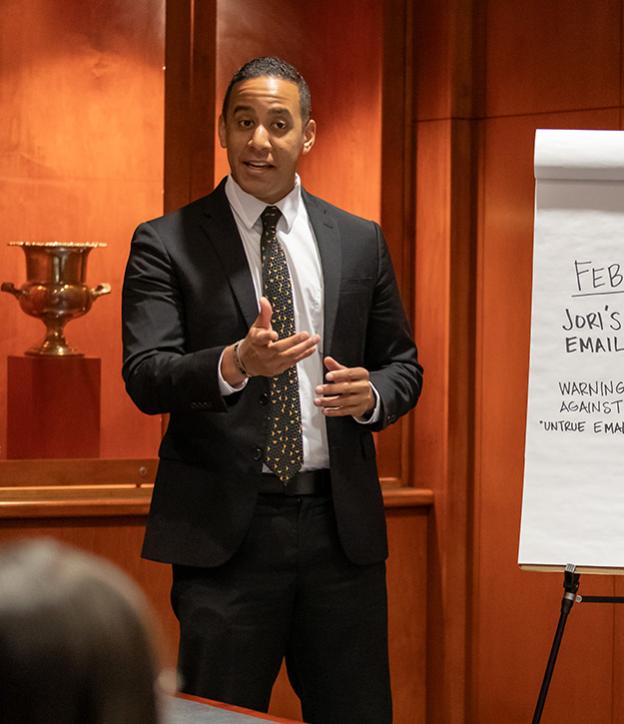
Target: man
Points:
(268, 323)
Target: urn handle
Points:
(10, 288)
(100, 291)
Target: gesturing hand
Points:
(262, 353)
(347, 391)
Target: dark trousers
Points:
(289, 591)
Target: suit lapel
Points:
(220, 227)
(328, 240)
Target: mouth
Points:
(258, 165)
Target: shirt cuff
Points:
(375, 414)
(224, 387)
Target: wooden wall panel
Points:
(554, 56)
(407, 570)
(433, 88)
(441, 447)
(479, 61)
(189, 99)
(81, 100)
(573, 63)
(398, 215)
(444, 36)
(516, 611)
(445, 195)
(398, 145)
(433, 178)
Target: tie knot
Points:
(270, 216)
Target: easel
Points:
(570, 597)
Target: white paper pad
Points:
(573, 499)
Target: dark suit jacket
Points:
(187, 294)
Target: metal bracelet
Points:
(237, 360)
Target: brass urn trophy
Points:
(55, 290)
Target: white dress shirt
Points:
(295, 234)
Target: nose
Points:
(260, 138)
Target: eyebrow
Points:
(278, 111)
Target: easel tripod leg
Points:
(570, 585)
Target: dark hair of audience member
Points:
(76, 644)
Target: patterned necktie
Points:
(284, 446)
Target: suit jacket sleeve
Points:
(160, 373)
(390, 353)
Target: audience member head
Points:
(76, 645)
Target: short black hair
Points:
(273, 67)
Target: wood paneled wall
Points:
(487, 75)
(81, 109)
(554, 65)
(442, 449)
(87, 162)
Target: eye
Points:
(245, 123)
(280, 125)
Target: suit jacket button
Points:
(263, 399)
(257, 454)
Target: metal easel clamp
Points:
(570, 585)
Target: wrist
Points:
(238, 361)
(372, 403)
(229, 368)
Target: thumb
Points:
(264, 317)
(332, 364)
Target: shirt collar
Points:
(248, 208)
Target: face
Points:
(264, 135)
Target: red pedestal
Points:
(53, 407)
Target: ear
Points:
(309, 135)
(222, 136)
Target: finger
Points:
(264, 317)
(295, 355)
(339, 412)
(304, 354)
(282, 364)
(272, 363)
(335, 389)
(347, 401)
(335, 408)
(333, 364)
(346, 385)
(261, 337)
(327, 401)
(295, 342)
(348, 374)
